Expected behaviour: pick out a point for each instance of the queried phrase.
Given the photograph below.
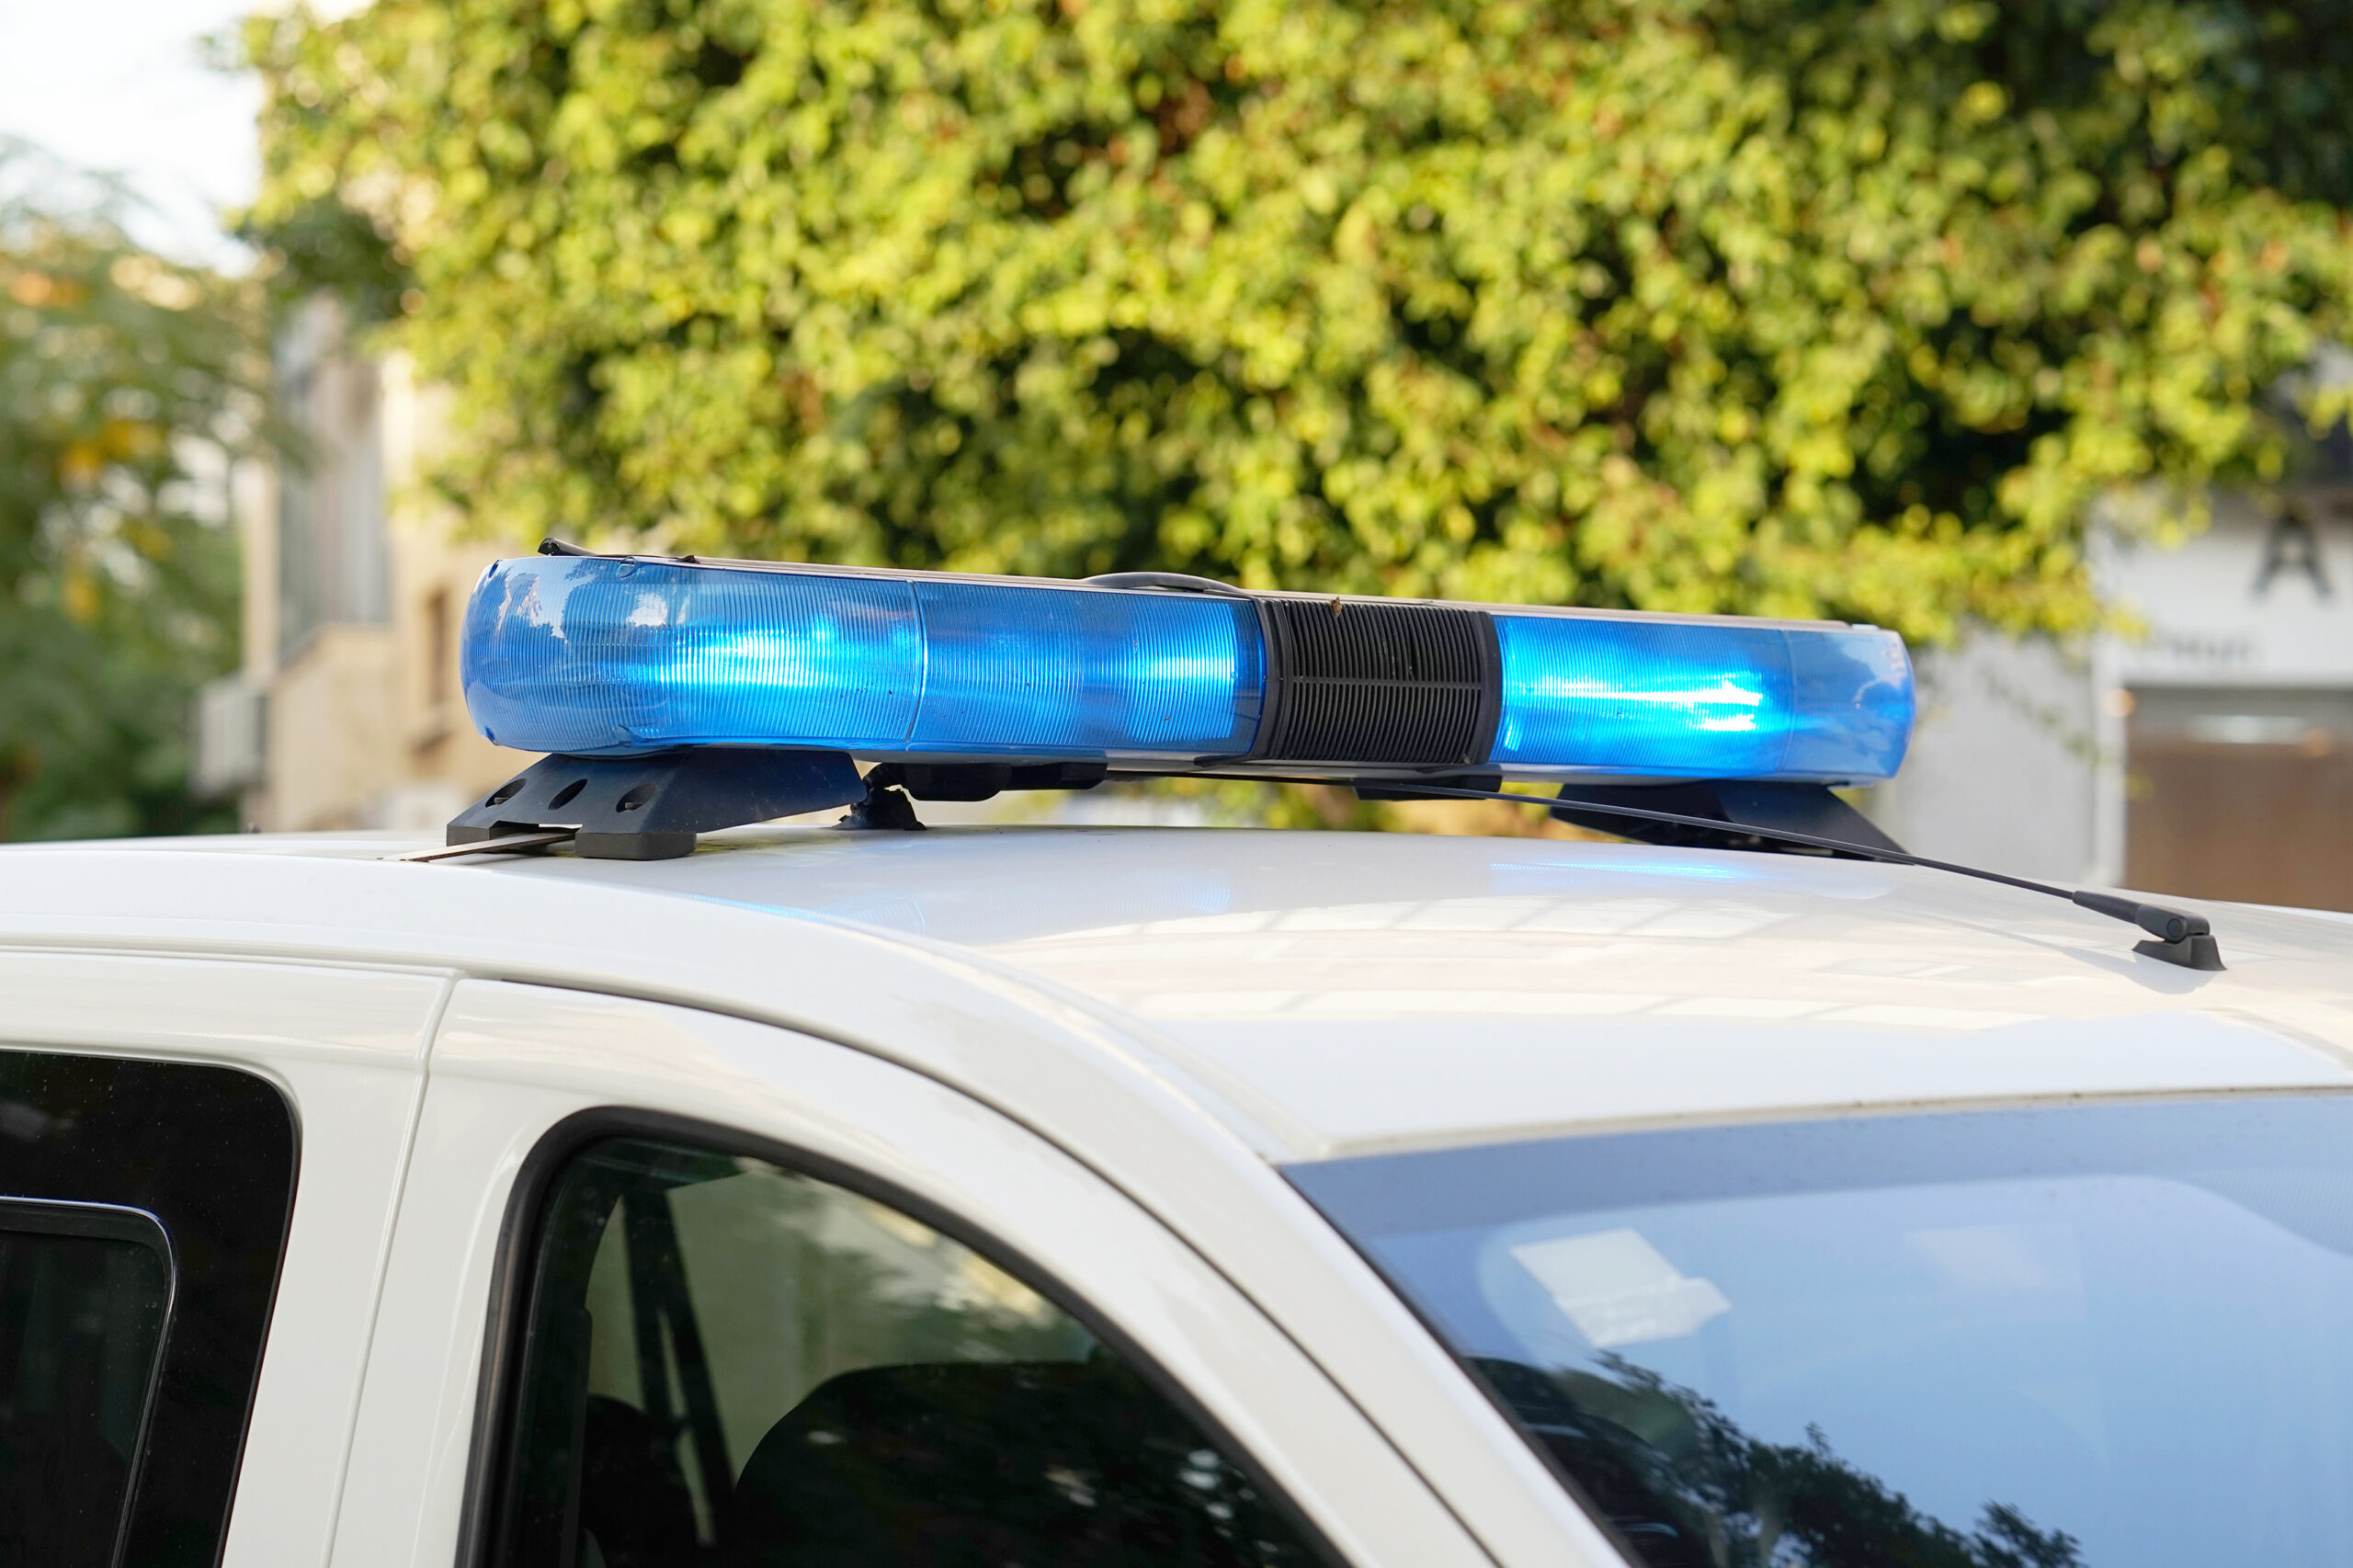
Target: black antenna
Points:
(2176, 936)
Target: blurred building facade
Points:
(347, 712)
(2209, 754)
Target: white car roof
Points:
(1327, 993)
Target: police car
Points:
(623, 1183)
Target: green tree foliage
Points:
(1776, 306)
(118, 573)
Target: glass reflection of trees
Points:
(1686, 1488)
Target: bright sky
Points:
(121, 85)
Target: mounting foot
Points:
(651, 808)
(1738, 803)
(885, 806)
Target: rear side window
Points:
(144, 1208)
(84, 1289)
(730, 1363)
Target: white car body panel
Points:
(513, 1061)
(1074, 1072)
(1176, 1012)
(347, 1048)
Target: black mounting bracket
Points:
(983, 780)
(1375, 789)
(885, 806)
(888, 786)
(651, 808)
(1737, 803)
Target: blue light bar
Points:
(596, 656)
(603, 655)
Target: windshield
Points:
(2119, 1336)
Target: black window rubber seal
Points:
(212, 1153)
(514, 1269)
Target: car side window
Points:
(84, 1289)
(144, 1211)
(726, 1362)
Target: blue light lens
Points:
(1054, 672)
(588, 656)
(1851, 704)
(1701, 700)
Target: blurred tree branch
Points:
(127, 384)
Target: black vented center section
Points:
(1410, 684)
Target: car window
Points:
(2055, 1336)
(84, 1289)
(730, 1363)
(144, 1208)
